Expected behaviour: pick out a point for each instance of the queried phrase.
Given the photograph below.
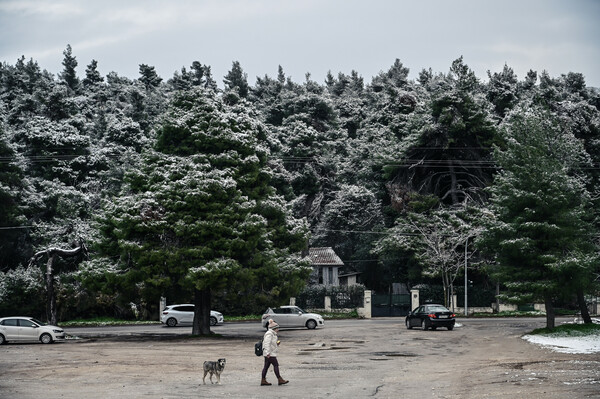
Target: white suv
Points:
(182, 314)
(28, 329)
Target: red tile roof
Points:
(325, 256)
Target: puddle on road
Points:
(387, 355)
(325, 348)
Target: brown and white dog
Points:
(213, 368)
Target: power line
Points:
(368, 232)
(409, 234)
(410, 163)
(383, 233)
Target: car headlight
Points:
(57, 331)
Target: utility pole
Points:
(466, 281)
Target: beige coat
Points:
(270, 343)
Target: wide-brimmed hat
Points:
(273, 325)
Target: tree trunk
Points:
(585, 314)
(497, 310)
(451, 297)
(550, 316)
(453, 184)
(447, 292)
(50, 290)
(201, 325)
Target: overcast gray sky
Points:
(302, 36)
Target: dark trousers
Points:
(268, 362)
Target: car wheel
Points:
(2, 339)
(172, 322)
(311, 324)
(408, 325)
(213, 321)
(425, 325)
(450, 328)
(46, 338)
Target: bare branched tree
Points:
(52, 253)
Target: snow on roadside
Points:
(586, 344)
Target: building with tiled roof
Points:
(326, 264)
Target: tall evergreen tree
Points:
(11, 217)
(200, 214)
(69, 75)
(92, 76)
(202, 76)
(149, 77)
(502, 90)
(199, 75)
(236, 80)
(448, 151)
(541, 236)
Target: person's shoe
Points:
(264, 382)
(282, 381)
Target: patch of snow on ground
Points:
(587, 344)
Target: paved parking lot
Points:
(380, 358)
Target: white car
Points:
(292, 316)
(183, 314)
(22, 328)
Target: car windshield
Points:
(36, 321)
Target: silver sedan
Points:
(292, 316)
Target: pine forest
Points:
(115, 192)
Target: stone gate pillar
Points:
(365, 311)
(161, 306)
(414, 299)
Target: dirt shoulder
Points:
(358, 359)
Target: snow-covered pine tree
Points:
(69, 74)
(200, 215)
(541, 236)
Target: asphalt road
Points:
(229, 329)
(350, 328)
(376, 358)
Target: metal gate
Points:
(390, 305)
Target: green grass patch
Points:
(252, 317)
(326, 315)
(110, 321)
(569, 330)
(566, 312)
(340, 315)
(514, 313)
(104, 321)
